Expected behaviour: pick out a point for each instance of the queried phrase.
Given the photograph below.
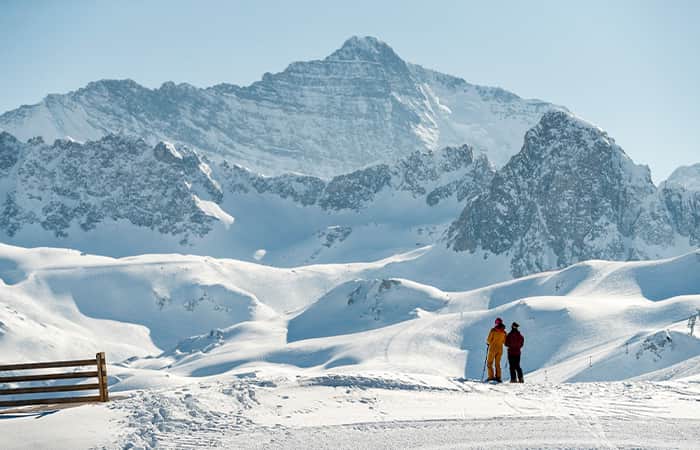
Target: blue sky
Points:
(632, 67)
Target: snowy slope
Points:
(282, 411)
(364, 305)
(442, 332)
(361, 105)
(593, 321)
(210, 352)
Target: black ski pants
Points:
(516, 373)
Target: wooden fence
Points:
(100, 373)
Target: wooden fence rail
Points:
(100, 373)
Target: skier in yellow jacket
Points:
(495, 341)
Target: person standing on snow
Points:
(495, 341)
(515, 342)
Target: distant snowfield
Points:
(212, 352)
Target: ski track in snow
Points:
(358, 411)
(179, 419)
(520, 433)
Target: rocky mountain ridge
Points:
(451, 172)
(68, 187)
(70, 192)
(570, 195)
(362, 105)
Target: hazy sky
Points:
(632, 67)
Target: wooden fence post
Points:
(102, 376)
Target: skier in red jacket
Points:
(514, 342)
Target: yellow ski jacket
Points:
(497, 337)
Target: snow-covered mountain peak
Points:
(562, 119)
(561, 135)
(365, 48)
(681, 195)
(362, 105)
(570, 194)
(105, 90)
(111, 83)
(685, 177)
(567, 131)
(172, 86)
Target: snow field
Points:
(209, 352)
(199, 316)
(281, 409)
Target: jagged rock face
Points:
(68, 187)
(69, 184)
(571, 194)
(453, 172)
(681, 195)
(362, 105)
(10, 150)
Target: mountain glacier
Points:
(362, 105)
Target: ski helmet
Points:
(498, 321)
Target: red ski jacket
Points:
(514, 342)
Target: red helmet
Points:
(499, 321)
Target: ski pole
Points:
(483, 372)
